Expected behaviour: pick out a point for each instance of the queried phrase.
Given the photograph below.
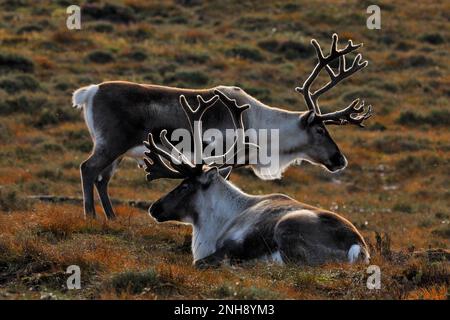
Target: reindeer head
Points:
(320, 147)
(181, 203)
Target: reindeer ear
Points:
(307, 118)
(208, 176)
(225, 172)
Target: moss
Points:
(102, 27)
(50, 174)
(443, 232)
(416, 61)
(362, 93)
(433, 118)
(245, 52)
(418, 164)
(403, 207)
(78, 140)
(229, 291)
(188, 58)
(377, 126)
(139, 33)
(289, 49)
(134, 282)
(432, 38)
(260, 93)
(395, 144)
(23, 104)
(12, 200)
(100, 57)
(51, 116)
(49, 147)
(191, 78)
(111, 12)
(255, 23)
(29, 28)
(10, 62)
(5, 133)
(19, 83)
(137, 55)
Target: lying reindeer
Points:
(119, 116)
(228, 223)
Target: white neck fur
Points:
(216, 209)
(291, 138)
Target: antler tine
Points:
(342, 74)
(344, 116)
(197, 114)
(221, 160)
(151, 145)
(157, 169)
(323, 62)
(319, 51)
(179, 160)
(236, 112)
(180, 166)
(194, 119)
(235, 109)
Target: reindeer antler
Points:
(181, 167)
(197, 114)
(195, 117)
(344, 116)
(311, 98)
(235, 109)
(157, 168)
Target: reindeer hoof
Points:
(90, 216)
(111, 217)
(207, 263)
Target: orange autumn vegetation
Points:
(396, 185)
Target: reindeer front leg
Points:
(230, 249)
(214, 260)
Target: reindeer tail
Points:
(81, 97)
(358, 252)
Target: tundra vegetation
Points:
(395, 188)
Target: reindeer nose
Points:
(154, 209)
(338, 161)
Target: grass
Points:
(433, 118)
(395, 189)
(100, 57)
(14, 62)
(245, 52)
(134, 282)
(19, 83)
(11, 200)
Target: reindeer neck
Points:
(216, 212)
(291, 143)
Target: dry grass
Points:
(396, 183)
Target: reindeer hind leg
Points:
(90, 170)
(101, 183)
(299, 246)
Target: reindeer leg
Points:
(101, 184)
(212, 261)
(90, 169)
(230, 248)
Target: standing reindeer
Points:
(228, 223)
(119, 116)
